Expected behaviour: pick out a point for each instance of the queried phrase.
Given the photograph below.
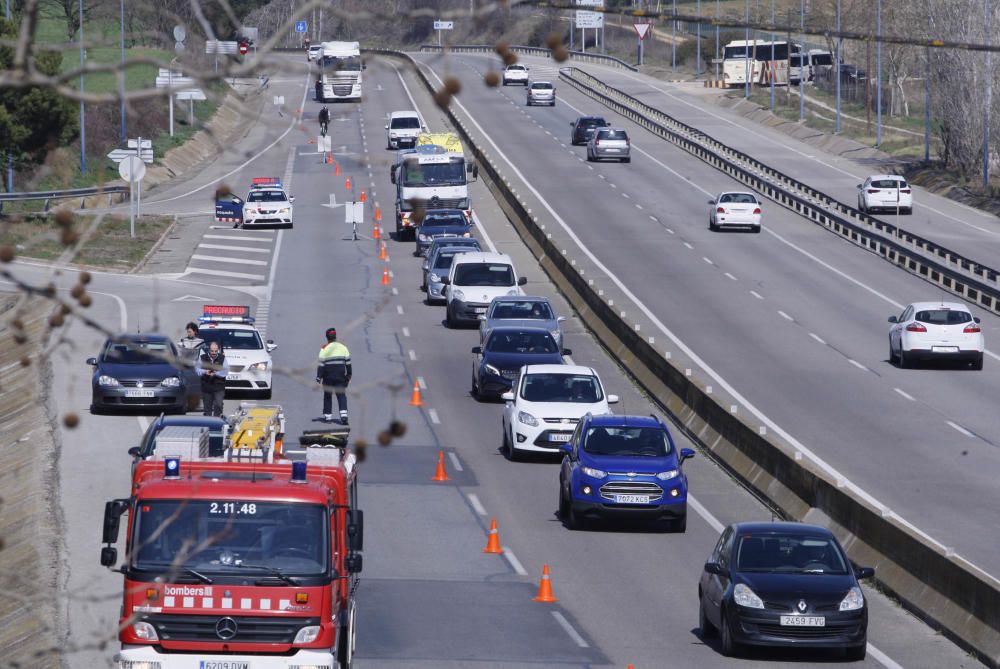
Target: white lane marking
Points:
(694, 357)
(239, 238)
(785, 316)
(455, 463)
(708, 260)
(817, 337)
(573, 634)
(477, 506)
(221, 272)
(756, 294)
(406, 331)
(883, 659)
(960, 428)
(294, 123)
(638, 206)
(669, 230)
(731, 276)
(653, 219)
(700, 509)
(482, 229)
(857, 364)
(122, 310)
(412, 354)
(236, 261)
(514, 562)
(689, 246)
(421, 383)
(229, 247)
(399, 309)
(433, 415)
(395, 291)
(905, 394)
(143, 423)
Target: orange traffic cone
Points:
(493, 543)
(381, 251)
(347, 183)
(545, 587)
(385, 276)
(376, 233)
(336, 170)
(364, 198)
(440, 474)
(415, 400)
(378, 214)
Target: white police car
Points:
(267, 204)
(249, 356)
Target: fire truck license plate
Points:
(223, 664)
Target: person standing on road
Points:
(189, 348)
(212, 368)
(324, 120)
(334, 372)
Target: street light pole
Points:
(83, 113)
(746, 56)
(802, 69)
(10, 154)
(840, 48)
(774, 68)
(673, 41)
(122, 31)
(716, 40)
(988, 76)
(927, 89)
(878, 73)
(697, 58)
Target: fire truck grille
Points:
(249, 629)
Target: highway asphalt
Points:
(429, 596)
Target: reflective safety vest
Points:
(334, 361)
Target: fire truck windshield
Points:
(226, 535)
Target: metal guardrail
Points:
(65, 194)
(533, 51)
(962, 600)
(948, 269)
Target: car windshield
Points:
(444, 259)
(451, 173)
(232, 339)
(612, 134)
(628, 441)
(737, 198)
(137, 352)
(592, 123)
(581, 388)
(335, 64)
(512, 309)
(405, 122)
(266, 196)
(943, 317)
(788, 552)
(521, 342)
(821, 59)
(223, 535)
(484, 274)
(438, 220)
(543, 86)
(888, 183)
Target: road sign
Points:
(176, 80)
(250, 34)
(191, 94)
(324, 144)
(134, 143)
(302, 26)
(354, 212)
(587, 19)
(642, 29)
(589, 3)
(279, 99)
(132, 169)
(244, 47)
(444, 25)
(180, 34)
(220, 46)
(118, 155)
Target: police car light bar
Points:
(225, 313)
(265, 181)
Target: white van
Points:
(402, 128)
(473, 280)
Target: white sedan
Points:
(734, 210)
(546, 403)
(936, 331)
(885, 192)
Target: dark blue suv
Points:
(623, 466)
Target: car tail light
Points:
(756, 210)
(872, 191)
(720, 210)
(905, 190)
(972, 328)
(915, 327)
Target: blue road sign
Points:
(300, 26)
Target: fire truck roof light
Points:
(299, 472)
(172, 467)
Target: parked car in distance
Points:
(609, 143)
(438, 224)
(541, 93)
(783, 584)
(521, 310)
(623, 467)
(885, 192)
(936, 331)
(506, 351)
(138, 371)
(516, 74)
(437, 264)
(734, 210)
(584, 127)
(545, 404)
(314, 51)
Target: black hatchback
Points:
(583, 128)
(138, 371)
(783, 584)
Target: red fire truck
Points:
(244, 561)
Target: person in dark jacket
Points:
(213, 368)
(334, 372)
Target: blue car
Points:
(441, 223)
(505, 351)
(620, 467)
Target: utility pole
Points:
(122, 44)
(83, 113)
(10, 154)
(717, 39)
(697, 59)
(774, 68)
(878, 73)
(746, 57)
(673, 40)
(802, 70)
(836, 65)
(927, 87)
(988, 76)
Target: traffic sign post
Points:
(132, 170)
(443, 25)
(642, 30)
(354, 213)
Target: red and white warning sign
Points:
(642, 29)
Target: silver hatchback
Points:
(541, 93)
(609, 143)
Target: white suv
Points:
(515, 74)
(402, 128)
(268, 205)
(249, 356)
(887, 192)
(546, 403)
(473, 280)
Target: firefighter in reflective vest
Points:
(334, 372)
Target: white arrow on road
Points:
(333, 202)
(191, 298)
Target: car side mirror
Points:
(686, 453)
(567, 351)
(356, 531)
(109, 556)
(612, 399)
(386, 127)
(353, 563)
(713, 568)
(864, 572)
(478, 350)
(977, 319)
(92, 362)
(424, 266)
(134, 452)
(571, 124)
(270, 346)
(566, 447)
(291, 198)
(507, 396)
(711, 202)
(521, 280)
(446, 281)
(858, 186)
(560, 319)
(113, 511)
(893, 319)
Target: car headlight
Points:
(667, 475)
(467, 234)
(594, 473)
(105, 380)
(457, 295)
(307, 634)
(145, 631)
(527, 419)
(744, 596)
(285, 210)
(853, 601)
(424, 238)
(258, 367)
(490, 369)
(171, 382)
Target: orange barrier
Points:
(381, 250)
(415, 400)
(545, 587)
(364, 198)
(493, 543)
(347, 183)
(440, 474)
(385, 276)
(336, 170)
